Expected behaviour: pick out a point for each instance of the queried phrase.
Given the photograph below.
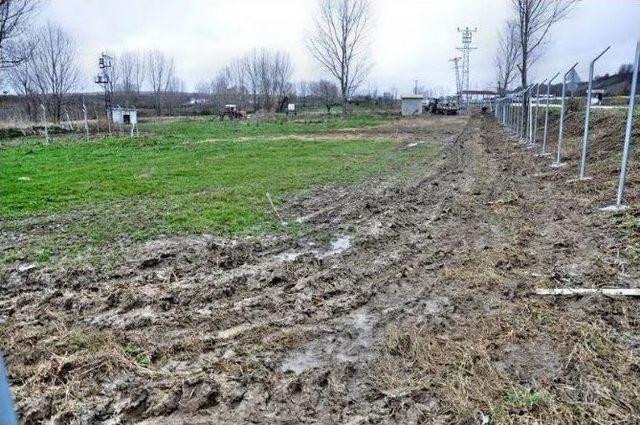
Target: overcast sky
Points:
(411, 39)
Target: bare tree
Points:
(326, 92)
(160, 70)
(533, 20)
(204, 87)
(15, 16)
(130, 66)
(53, 66)
(507, 56)
(20, 78)
(339, 42)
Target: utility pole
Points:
(456, 67)
(467, 39)
(104, 63)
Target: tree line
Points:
(40, 64)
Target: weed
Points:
(138, 354)
(43, 255)
(519, 399)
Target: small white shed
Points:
(125, 116)
(411, 104)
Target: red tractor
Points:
(232, 112)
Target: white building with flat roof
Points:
(125, 116)
(411, 105)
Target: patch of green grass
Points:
(43, 255)
(186, 177)
(519, 399)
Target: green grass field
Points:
(182, 177)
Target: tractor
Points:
(232, 112)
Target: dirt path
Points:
(402, 303)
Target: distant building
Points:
(479, 95)
(411, 104)
(195, 101)
(125, 116)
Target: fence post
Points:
(46, 125)
(86, 122)
(529, 117)
(535, 116)
(68, 120)
(627, 137)
(587, 114)
(559, 162)
(546, 118)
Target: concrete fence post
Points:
(86, 121)
(587, 114)
(46, 124)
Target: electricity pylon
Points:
(467, 38)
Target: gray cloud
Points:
(411, 39)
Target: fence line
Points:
(510, 111)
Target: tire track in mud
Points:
(291, 329)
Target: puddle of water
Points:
(338, 246)
(289, 256)
(300, 362)
(335, 347)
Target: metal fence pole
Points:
(46, 125)
(559, 162)
(535, 115)
(69, 123)
(529, 116)
(587, 114)
(546, 117)
(627, 137)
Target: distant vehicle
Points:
(443, 106)
(232, 112)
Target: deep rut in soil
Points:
(404, 302)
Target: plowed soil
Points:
(403, 300)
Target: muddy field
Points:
(404, 300)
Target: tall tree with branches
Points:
(15, 16)
(533, 20)
(507, 55)
(53, 66)
(161, 70)
(339, 42)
